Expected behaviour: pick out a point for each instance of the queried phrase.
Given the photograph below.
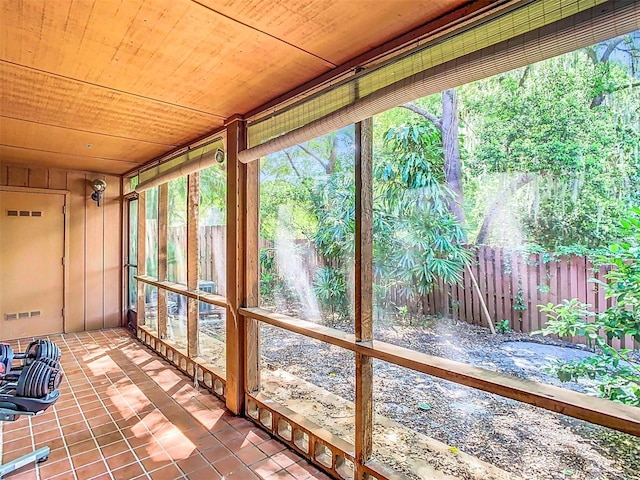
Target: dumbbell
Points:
(36, 380)
(6, 357)
(36, 350)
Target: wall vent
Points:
(15, 316)
(36, 213)
(12, 213)
(24, 213)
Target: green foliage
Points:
(274, 286)
(537, 120)
(417, 238)
(295, 198)
(331, 290)
(540, 119)
(213, 191)
(503, 326)
(270, 282)
(308, 192)
(616, 371)
(334, 202)
(518, 299)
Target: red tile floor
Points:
(126, 413)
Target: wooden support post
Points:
(142, 255)
(163, 220)
(252, 277)
(193, 208)
(364, 291)
(236, 228)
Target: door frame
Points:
(65, 212)
(126, 261)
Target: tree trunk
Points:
(593, 55)
(451, 147)
(501, 199)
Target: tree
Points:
(624, 47)
(449, 131)
(418, 239)
(570, 165)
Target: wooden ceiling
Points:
(106, 85)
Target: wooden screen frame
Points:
(241, 380)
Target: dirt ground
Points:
(430, 428)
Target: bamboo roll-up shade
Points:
(535, 32)
(185, 164)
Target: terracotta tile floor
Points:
(125, 413)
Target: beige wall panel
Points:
(38, 178)
(21, 156)
(112, 212)
(4, 174)
(47, 138)
(144, 48)
(58, 179)
(40, 97)
(320, 27)
(18, 177)
(94, 260)
(75, 318)
(94, 246)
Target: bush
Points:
(616, 372)
(331, 291)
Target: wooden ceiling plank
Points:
(140, 48)
(51, 152)
(24, 134)
(35, 96)
(331, 29)
(33, 159)
(89, 132)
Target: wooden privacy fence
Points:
(212, 252)
(511, 283)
